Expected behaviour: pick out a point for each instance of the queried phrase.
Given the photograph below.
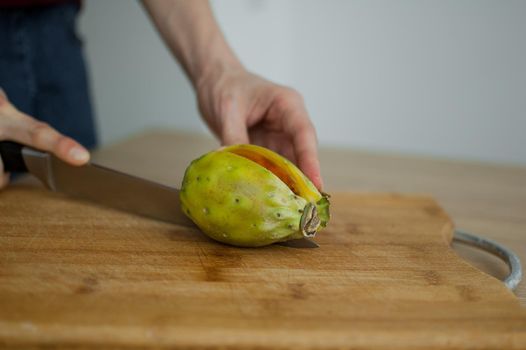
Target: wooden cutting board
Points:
(77, 275)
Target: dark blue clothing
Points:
(42, 68)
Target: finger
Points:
(234, 128)
(290, 116)
(306, 151)
(22, 128)
(298, 127)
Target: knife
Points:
(105, 186)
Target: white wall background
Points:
(441, 78)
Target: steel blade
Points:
(108, 187)
(299, 243)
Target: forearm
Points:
(189, 29)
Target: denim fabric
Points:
(42, 68)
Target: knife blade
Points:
(97, 184)
(105, 186)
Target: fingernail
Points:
(79, 154)
(319, 182)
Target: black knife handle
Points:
(11, 154)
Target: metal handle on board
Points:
(508, 256)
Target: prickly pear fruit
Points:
(246, 195)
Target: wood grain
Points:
(486, 199)
(74, 275)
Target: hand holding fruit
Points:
(241, 107)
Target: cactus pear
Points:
(246, 195)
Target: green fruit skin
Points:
(236, 201)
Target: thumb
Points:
(233, 128)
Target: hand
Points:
(241, 107)
(19, 127)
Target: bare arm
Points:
(191, 32)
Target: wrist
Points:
(213, 70)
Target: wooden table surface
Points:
(486, 199)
